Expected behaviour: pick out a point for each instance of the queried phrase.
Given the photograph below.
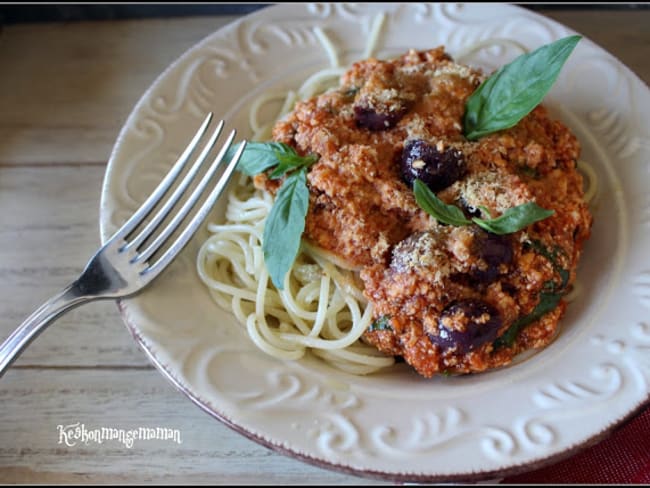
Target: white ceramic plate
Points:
(397, 425)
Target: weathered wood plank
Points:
(48, 230)
(64, 98)
(35, 402)
(67, 88)
(71, 86)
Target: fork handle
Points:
(36, 323)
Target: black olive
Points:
(436, 168)
(371, 119)
(492, 251)
(466, 325)
(469, 210)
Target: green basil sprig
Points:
(286, 221)
(547, 303)
(512, 220)
(431, 204)
(552, 256)
(515, 89)
(549, 298)
(289, 161)
(382, 323)
(284, 226)
(260, 156)
(515, 218)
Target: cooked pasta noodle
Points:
(328, 46)
(474, 48)
(373, 37)
(322, 308)
(591, 185)
(318, 82)
(574, 291)
(590, 191)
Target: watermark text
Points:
(77, 433)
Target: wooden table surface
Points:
(65, 91)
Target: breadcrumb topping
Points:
(434, 282)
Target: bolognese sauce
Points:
(448, 299)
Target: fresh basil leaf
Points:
(382, 323)
(515, 89)
(286, 220)
(475, 107)
(552, 256)
(431, 204)
(514, 219)
(564, 276)
(284, 226)
(547, 303)
(485, 210)
(259, 156)
(289, 161)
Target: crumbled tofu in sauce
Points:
(438, 283)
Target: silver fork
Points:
(126, 264)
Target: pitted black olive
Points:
(371, 119)
(437, 168)
(469, 210)
(493, 251)
(466, 325)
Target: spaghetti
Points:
(322, 308)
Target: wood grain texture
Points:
(208, 452)
(48, 229)
(71, 86)
(65, 91)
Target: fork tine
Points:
(135, 242)
(193, 225)
(164, 185)
(188, 205)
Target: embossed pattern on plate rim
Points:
(155, 104)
